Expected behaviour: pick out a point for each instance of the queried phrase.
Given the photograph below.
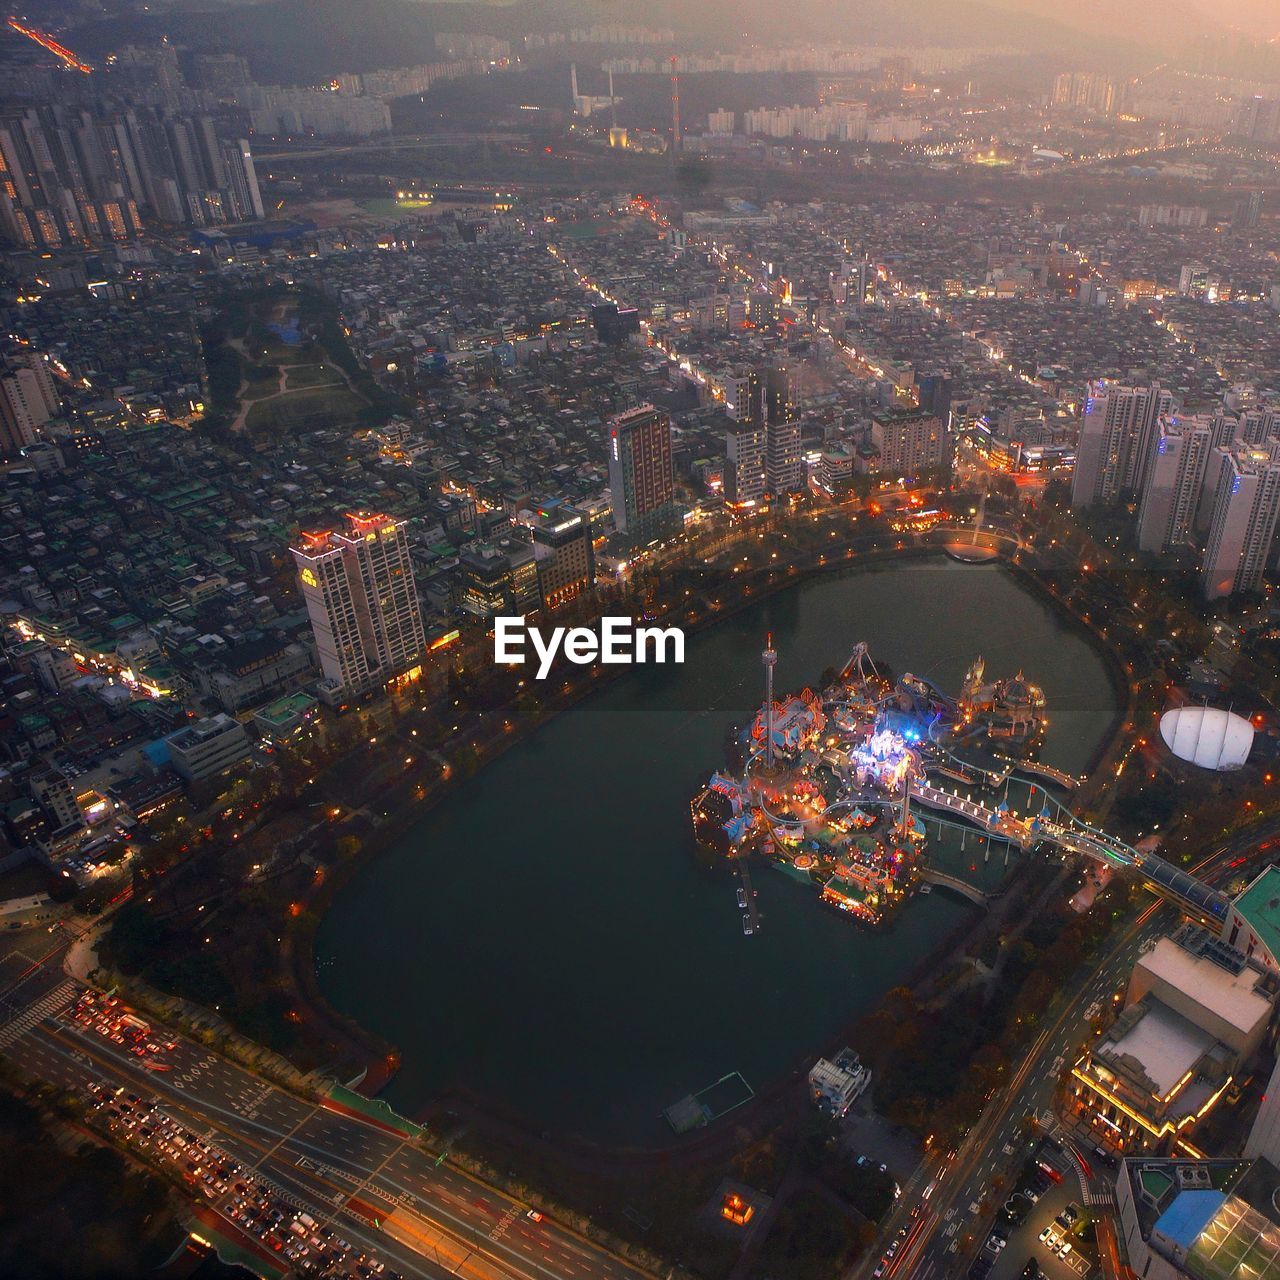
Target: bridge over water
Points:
(1061, 828)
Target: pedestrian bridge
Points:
(932, 876)
(1067, 832)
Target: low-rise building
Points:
(835, 1086)
(208, 747)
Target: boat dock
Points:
(695, 1110)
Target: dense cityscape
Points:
(894, 387)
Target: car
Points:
(1031, 1194)
(1064, 1249)
(879, 1271)
(1071, 1213)
(1045, 1234)
(533, 1215)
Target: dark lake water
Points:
(547, 937)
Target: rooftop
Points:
(1259, 905)
(1232, 996)
(1163, 1044)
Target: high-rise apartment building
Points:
(1116, 441)
(563, 554)
(28, 399)
(1174, 478)
(744, 463)
(784, 459)
(1245, 508)
(73, 176)
(1085, 91)
(359, 590)
(910, 442)
(641, 474)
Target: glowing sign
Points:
(308, 577)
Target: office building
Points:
(1195, 1013)
(641, 474)
(1174, 479)
(563, 555)
(359, 590)
(1246, 504)
(910, 442)
(744, 463)
(208, 747)
(784, 460)
(499, 578)
(1116, 441)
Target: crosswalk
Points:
(1101, 1199)
(48, 1006)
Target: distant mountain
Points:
(308, 40)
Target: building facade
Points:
(208, 747)
(641, 474)
(1116, 441)
(563, 555)
(1246, 505)
(910, 443)
(1174, 478)
(359, 591)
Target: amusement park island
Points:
(842, 788)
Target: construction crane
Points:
(46, 41)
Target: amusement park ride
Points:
(827, 784)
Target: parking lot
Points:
(1045, 1223)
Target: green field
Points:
(300, 377)
(322, 407)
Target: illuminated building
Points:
(1195, 1012)
(1246, 505)
(733, 1208)
(641, 474)
(359, 590)
(1207, 1219)
(788, 727)
(563, 555)
(1116, 441)
(498, 578)
(744, 471)
(1174, 478)
(784, 459)
(884, 759)
(910, 443)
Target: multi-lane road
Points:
(374, 1186)
(949, 1201)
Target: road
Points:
(957, 1193)
(331, 1164)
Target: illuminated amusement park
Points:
(878, 788)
